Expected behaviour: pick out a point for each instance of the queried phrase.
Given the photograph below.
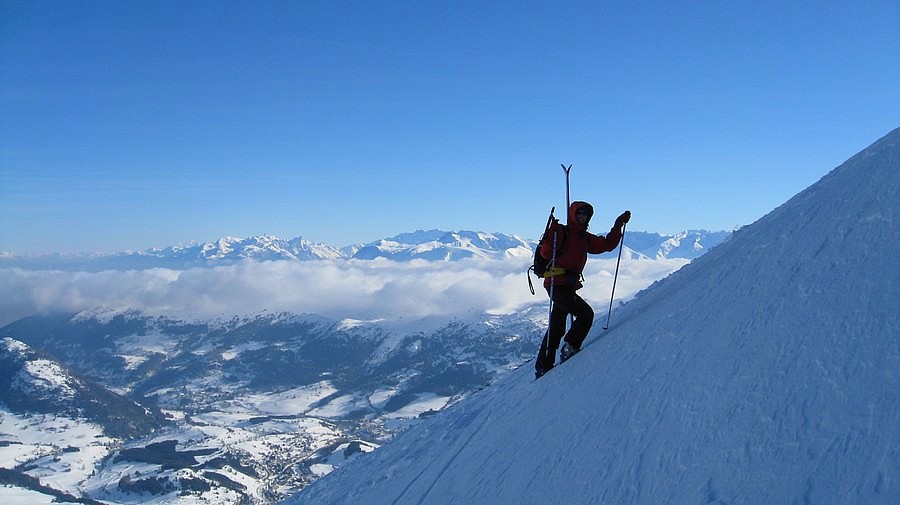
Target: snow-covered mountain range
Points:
(764, 372)
(432, 245)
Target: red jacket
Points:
(574, 245)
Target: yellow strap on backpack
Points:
(554, 272)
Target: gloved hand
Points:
(624, 218)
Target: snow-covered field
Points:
(63, 453)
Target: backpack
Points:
(540, 264)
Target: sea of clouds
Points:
(357, 289)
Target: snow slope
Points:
(764, 372)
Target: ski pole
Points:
(616, 277)
(550, 319)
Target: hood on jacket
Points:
(573, 221)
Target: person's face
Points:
(582, 216)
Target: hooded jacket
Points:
(573, 246)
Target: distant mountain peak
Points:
(442, 245)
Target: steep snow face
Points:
(764, 372)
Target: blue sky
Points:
(130, 125)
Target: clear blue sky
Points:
(129, 125)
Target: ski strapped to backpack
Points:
(539, 264)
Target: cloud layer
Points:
(358, 289)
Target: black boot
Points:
(567, 352)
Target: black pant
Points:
(565, 302)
